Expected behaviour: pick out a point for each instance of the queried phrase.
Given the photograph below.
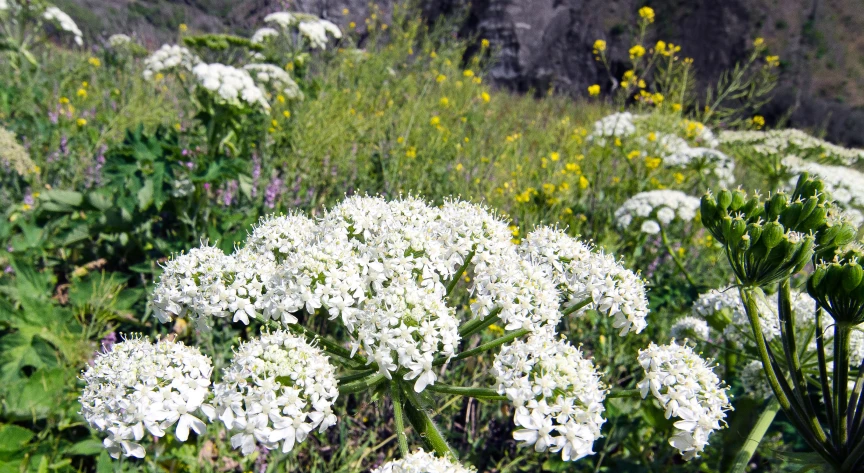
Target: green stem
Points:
(361, 385)
(477, 324)
(573, 308)
(425, 426)
(823, 372)
(675, 258)
(742, 459)
(347, 378)
(841, 378)
(477, 393)
(456, 277)
(398, 417)
(484, 347)
(329, 345)
(617, 393)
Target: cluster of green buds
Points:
(768, 241)
(838, 286)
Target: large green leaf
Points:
(13, 437)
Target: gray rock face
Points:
(543, 44)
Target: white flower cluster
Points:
(263, 34)
(64, 22)
(615, 125)
(230, 86)
(168, 58)
(277, 389)
(313, 28)
(557, 393)
(845, 184)
(580, 271)
(754, 382)
(119, 40)
(713, 164)
(690, 327)
(316, 32)
(274, 78)
(688, 389)
(140, 386)
(795, 142)
(423, 462)
(652, 209)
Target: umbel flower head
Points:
(838, 286)
(276, 390)
(169, 58)
(582, 273)
(139, 387)
(653, 210)
(230, 87)
(423, 462)
(688, 389)
(557, 393)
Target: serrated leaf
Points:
(145, 195)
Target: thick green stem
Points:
(485, 347)
(476, 324)
(573, 308)
(456, 277)
(823, 372)
(841, 379)
(362, 385)
(742, 459)
(425, 426)
(347, 378)
(617, 393)
(477, 393)
(398, 417)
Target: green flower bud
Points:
(852, 275)
(739, 198)
(776, 205)
(752, 208)
(737, 229)
(754, 231)
(772, 234)
(724, 199)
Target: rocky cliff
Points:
(543, 44)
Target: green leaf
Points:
(145, 195)
(86, 447)
(68, 198)
(104, 464)
(39, 396)
(13, 437)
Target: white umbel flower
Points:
(274, 78)
(230, 86)
(64, 22)
(617, 125)
(316, 32)
(557, 393)
(687, 388)
(119, 40)
(581, 272)
(192, 285)
(169, 58)
(794, 142)
(690, 327)
(139, 387)
(423, 462)
(263, 34)
(280, 236)
(754, 381)
(658, 207)
(282, 19)
(276, 391)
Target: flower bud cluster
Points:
(140, 387)
(687, 388)
(557, 393)
(580, 271)
(845, 184)
(276, 390)
(653, 210)
(838, 286)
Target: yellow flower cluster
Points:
(665, 49)
(758, 122)
(647, 14)
(637, 51)
(594, 90)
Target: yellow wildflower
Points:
(599, 46)
(758, 121)
(477, 80)
(435, 120)
(441, 78)
(183, 28)
(647, 14)
(286, 114)
(459, 167)
(400, 140)
(352, 25)
(652, 163)
(280, 98)
(554, 156)
(81, 122)
(594, 90)
(484, 43)
(548, 188)
(94, 61)
(637, 51)
(676, 107)
(411, 152)
(633, 154)
(773, 61)
(345, 11)
(468, 73)
(64, 100)
(563, 186)
(82, 93)
(485, 96)
(583, 182)
(758, 42)
(679, 178)
(444, 101)
(652, 136)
